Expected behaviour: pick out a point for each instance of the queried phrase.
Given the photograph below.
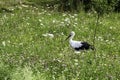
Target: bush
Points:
(88, 5)
(117, 6)
(75, 5)
(101, 6)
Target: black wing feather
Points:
(85, 46)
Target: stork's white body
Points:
(75, 44)
(78, 45)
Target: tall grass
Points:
(25, 54)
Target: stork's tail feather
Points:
(92, 47)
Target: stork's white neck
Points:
(71, 38)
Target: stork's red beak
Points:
(68, 37)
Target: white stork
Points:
(78, 45)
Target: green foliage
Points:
(22, 74)
(117, 6)
(101, 6)
(104, 6)
(4, 72)
(27, 52)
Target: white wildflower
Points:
(8, 41)
(64, 14)
(107, 40)
(48, 35)
(28, 23)
(3, 43)
(54, 21)
(62, 33)
(72, 16)
(76, 60)
(75, 14)
(20, 44)
(75, 23)
(62, 22)
(41, 24)
(49, 14)
(45, 35)
(76, 19)
(39, 20)
(51, 35)
(67, 20)
(24, 5)
(76, 64)
(77, 52)
(111, 27)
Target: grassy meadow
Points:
(26, 53)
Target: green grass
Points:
(27, 55)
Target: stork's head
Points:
(71, 35)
